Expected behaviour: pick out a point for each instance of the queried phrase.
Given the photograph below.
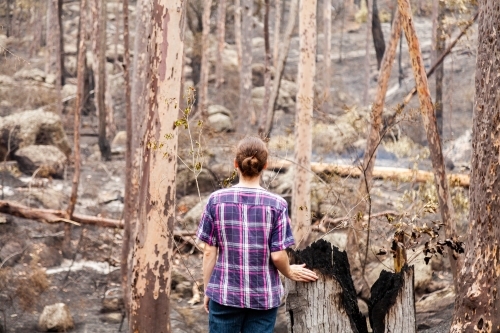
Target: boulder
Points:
(284, 101)
(258, 72)
(214, 109)
(46, 161)
(118, 145)
(10, 253)
(6, 80)
(192, 218)
(220, 122)
(3, 44)
(55, 318)
(113, 301)
(185, 289)
(33, 74)
(186, 183)
(68, 90)
(32, 127)
(112, 317)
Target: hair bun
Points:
(251, 156)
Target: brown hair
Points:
(251, 156)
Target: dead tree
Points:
(327, 70)
(237, 30)
(266, 128)
(205, 65)
(301, 196)
(152, 259)
(221, 35)
(267, 70)
(55, 59)
(430, 125)
(329, 304)
(440, 46)
(392, 302)
(277, 28)
(125, 267)
(99, 69)
(477, 304)
(377, 34)
(246, 105)
(369, 4)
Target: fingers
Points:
(302, 274)
(205, 303)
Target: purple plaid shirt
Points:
(246, 225)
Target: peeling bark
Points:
(153, 249)
(301, 196)
(431, 129)
(477, 303)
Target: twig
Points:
(74, 256)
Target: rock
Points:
(118, 145)
(284, 100)
(30, 128)
(338, 239)
(55, 318)
(10, 253)
(289, 87)
(258, 72)
(257, 42)
(192, 218)
(68, 90)
(50, 79)
(186, 183)
(184, 289)
(33, 74)
(42, 254)
(112, 317)
(113, 301)
(45, 160)
(176, 278)
(3, 44)
(70, 65)
(6, 80)
(49, 198)
(214, 109)
(186, 203)
(220, 122)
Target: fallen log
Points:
(386, 173)
(330, 303)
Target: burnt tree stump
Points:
(329, 304)
(392, 302)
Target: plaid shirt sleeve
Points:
(206, 230)
(281, 234)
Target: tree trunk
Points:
(61, 42)
(327, 52)
(221, 36)
(440, 46)
(139, 91)
(277, 28)
(267, 72)
(354, 244)
(237, 30)
(99, 69)
(246, 108)
(278, 72)
(369, 4)
(477, 303)
(9, 19)
(392, 302)
(301, 196)
(378, 35)
(205, 65)
(330, 303)
(430, 124)
(80, 77)
(125, 266)
(153, 249)
(54, 60)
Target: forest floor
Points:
(94, 276)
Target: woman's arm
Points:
(293, 272)
(209, 258)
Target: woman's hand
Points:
(301, 274)
(205, 303)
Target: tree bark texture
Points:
(55, 60)
(280, 68)
(80, 77)
(369, 4)
(126, 266)
(9, 19)
(477, 303)
(153, 249)
(378, 35)
(327, 52)
(99, 69)
(221, 36)
(278, 4)
(267, 70)
(330, 303)
(392, 302)
(301, 196)
(246, 108)
(205, 65)
(430, 125)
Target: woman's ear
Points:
(265, 166)
(235, 164)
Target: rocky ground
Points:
(34, 272)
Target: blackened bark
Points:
(378, 35)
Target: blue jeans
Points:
(228, 319)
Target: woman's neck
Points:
(249, 182)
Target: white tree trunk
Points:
(277, 36)
(301, 199)
(246, 108)
(237, 30)
(327, 70)
(153, 249)
(205, 65)
(221, 35)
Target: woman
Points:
(249, 228)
